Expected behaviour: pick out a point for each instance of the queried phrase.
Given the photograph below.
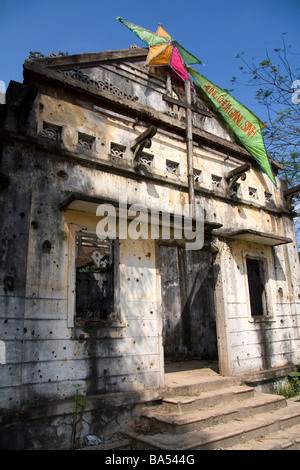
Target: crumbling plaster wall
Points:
(44, 356)
(254, 344)
(53, 357)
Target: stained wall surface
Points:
(74, 155)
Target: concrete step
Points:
(193, 382)
(183, 403)
(284, 439)
(225, 435)
(233, 405)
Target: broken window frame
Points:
(114, 319)
(263, 266)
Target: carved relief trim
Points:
(105, 85)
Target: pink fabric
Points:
(177, 64)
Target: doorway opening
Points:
(188, 314)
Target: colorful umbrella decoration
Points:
(164, 50)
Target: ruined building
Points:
(91, 130)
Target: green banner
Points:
(242, 121)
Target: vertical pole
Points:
(169, 85)
(189, 141)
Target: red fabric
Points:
(178, 65)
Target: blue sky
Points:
(214, 31)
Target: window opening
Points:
(85, 142)
(172, 167)
(197, 176)
(252, 193)
(51, 131)
(117, 150)
(146, 159)
(268, 197)
(256, 283)
(94, 283)
(216, 181)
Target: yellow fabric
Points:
(159, 55)
(162, 32)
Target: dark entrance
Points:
(189, 325)
(255, 271)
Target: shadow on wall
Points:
(126, 357)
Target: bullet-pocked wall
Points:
(66, 147)
(55, 356)
(256, 339)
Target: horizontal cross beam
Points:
(183, 104)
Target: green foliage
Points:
(265, 63)
(92, 268)
(77, 414)
(291, 386)
(272, 79)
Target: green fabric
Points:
(242, 121)
(187, 57)
(151, 39)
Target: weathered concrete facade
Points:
(67, 138)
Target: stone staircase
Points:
(214, 413)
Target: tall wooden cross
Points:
(187, 105)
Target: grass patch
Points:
(290, 386)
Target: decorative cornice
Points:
(38, 55)
(105, 85)
(36, 71)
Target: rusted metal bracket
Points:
(289, 194)
(234, 175)
(142, 141)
